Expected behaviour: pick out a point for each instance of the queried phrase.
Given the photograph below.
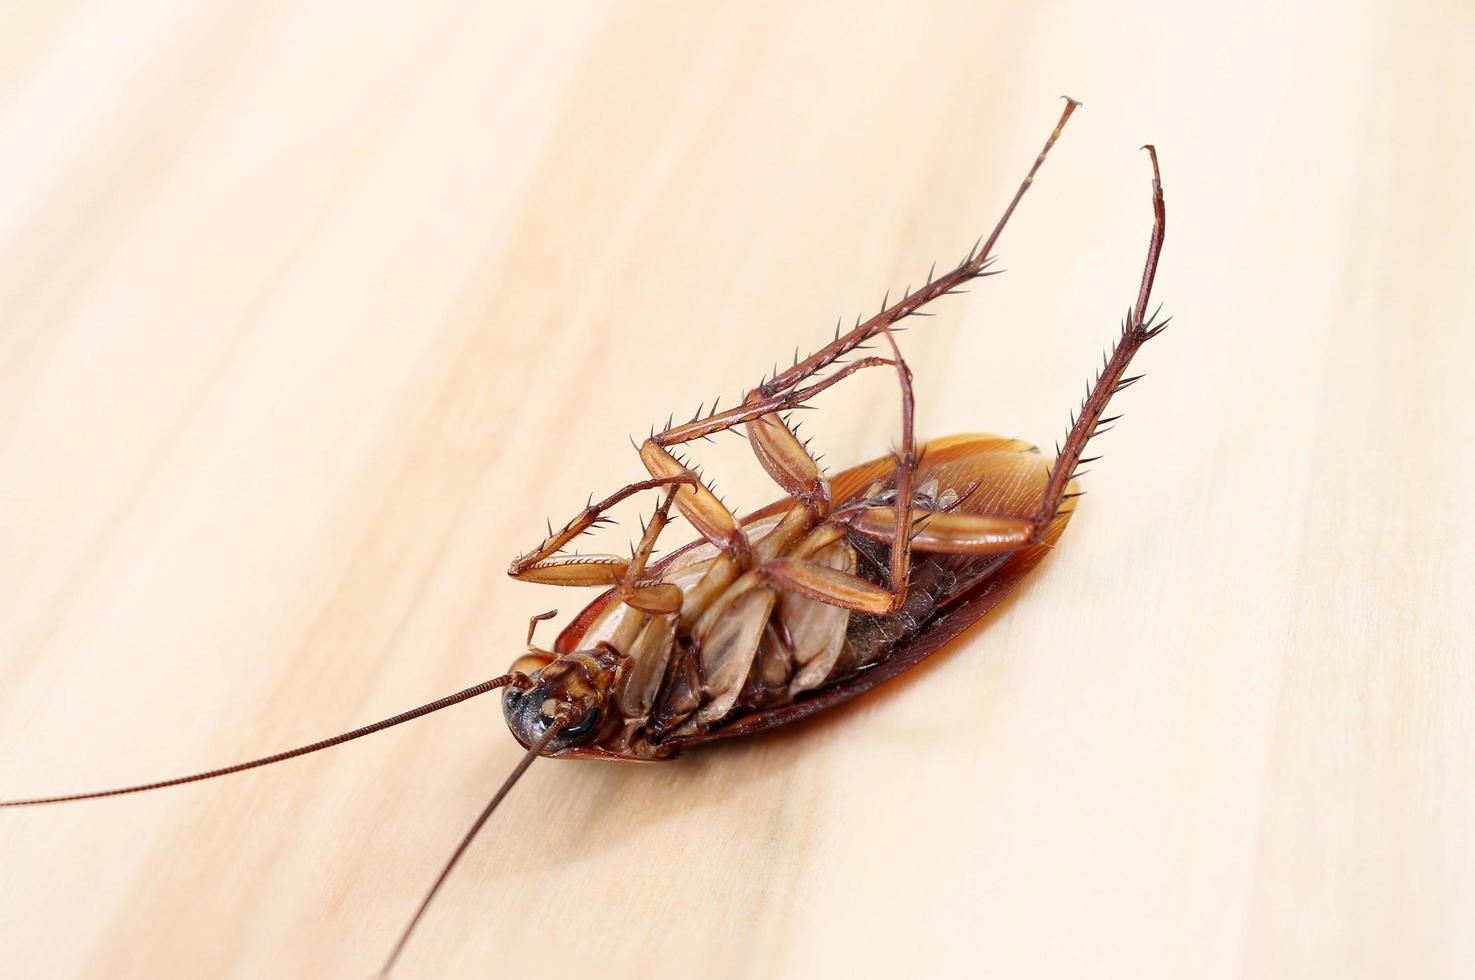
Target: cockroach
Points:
(843, 583)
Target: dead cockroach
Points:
(801, 605)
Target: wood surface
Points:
(311, 313)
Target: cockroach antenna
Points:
(515, 678)
(561, 721)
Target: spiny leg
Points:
(1137, 330)
(789, 461)
(796, 471)
(797, 572)
(974, 265)
(836, 587)
(777, 396)
(697, 502)
(986, 534)
(792, 466)
(941, 532)
(539, 565)
(776, 446)
(906, 470)
(656, 597)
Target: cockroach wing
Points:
(989, 474)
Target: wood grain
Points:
(311, 313)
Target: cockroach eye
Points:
(578, 730)
(530, 713)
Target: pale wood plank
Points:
(313, 312)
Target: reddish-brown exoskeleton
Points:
(844, 582)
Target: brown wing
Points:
(1009, 472)
(1007, 475)
(991, 475)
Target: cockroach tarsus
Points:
(841, 584)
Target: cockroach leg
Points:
(794, 468)
(941, 532)
(789, 461)
(655, 597)
(831, 586)
(640, 557)
(906, 471)
(774, 400)
(697, 503)
(533, 622)
(784, 457)
(536, 658)
(1137, 330)
(780, 451)
(973, 266)
(823, 583)
(539, 565)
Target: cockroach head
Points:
(571, 691)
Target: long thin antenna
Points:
(327, 743)
(522, 767)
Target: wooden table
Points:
(311, 313)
